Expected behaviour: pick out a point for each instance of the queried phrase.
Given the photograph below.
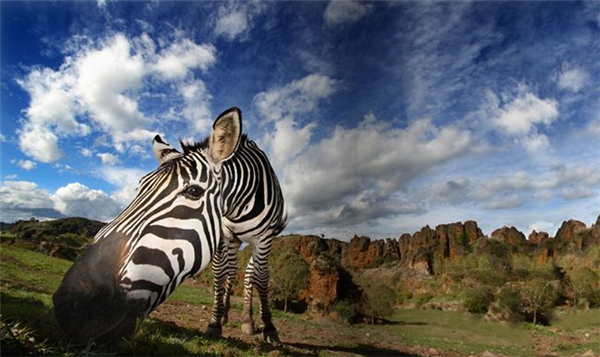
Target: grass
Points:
(27, 325)
(461, 332)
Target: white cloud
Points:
(572, 78)
(39, 143)
(108, 158)
(86, 152)
(23, 200)
(298, 97)
(288, 140)
(26, 164)
(76, 199)
(519, 112)
(11, 177)
(232, 24)
(182, 56)
(345, 11)
(332, 177)
(124, 179)
(236, 19)
(283, 105)
(196, 98)
(98, 87)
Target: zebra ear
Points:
(163, 151)
(226, 135)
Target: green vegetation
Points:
(377, 300)
(478, 298)
(28, 328)
(289, 275)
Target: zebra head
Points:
(167, 233)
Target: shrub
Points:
(347, 310)
(478, 299)
(422, 299)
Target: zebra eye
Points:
(194, 191)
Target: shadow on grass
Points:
(360, 349)
(402, 323)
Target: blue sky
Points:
(379, 117)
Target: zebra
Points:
(199, 204)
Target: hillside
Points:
(177, 327)
(63, 238)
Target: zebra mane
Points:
(189, 147)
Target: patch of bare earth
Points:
(311, 336)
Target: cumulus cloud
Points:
(298, 97)
(125, 180)
(108, 158)
(345, 11)
(196, 110)
(332, 178)
(99, 86)
(520, 114)
(76, 199)
(283, 106)
(39, 143)
(180, 57)
(85, 152)
(23, 200)
(26, 164)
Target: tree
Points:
(537, 296)
(581, 283)
(478, 299)
(377, 300)
(289, 275)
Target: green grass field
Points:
(28, 279)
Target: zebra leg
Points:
(219, 268)
(232, 250)
(261, 281)
(247, 321)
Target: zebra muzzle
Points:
(89, 304)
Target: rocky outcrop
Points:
(322, 291)
(418, 255)
(569, 236)
(509, 235)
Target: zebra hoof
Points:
(214, 331)
(224, 321)
(271, 337)
(248, 328)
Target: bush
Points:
(510, 298)
(347, 310)
(478, 299)
(423, 299)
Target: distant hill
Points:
(63, 238)
(75, 225)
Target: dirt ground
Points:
(314, 336)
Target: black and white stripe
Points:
(254, 212)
